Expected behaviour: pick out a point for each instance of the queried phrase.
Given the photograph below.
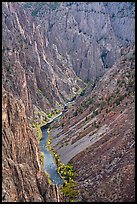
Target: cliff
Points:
(48, 46)
(50, 50)
(22, 177)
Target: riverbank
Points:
(67, 174)
(49, 164)
(58, 173)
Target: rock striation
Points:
(48, 46)
(49, 51)
(23, 179)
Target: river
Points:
(49, 162)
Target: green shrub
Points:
(48, 179)
(118, 81)
(67, 174)
(39, 132)
(94, 124)
(42, 157)
(57, 111)
(49, 115)
(69, 190)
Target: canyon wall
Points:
(49, 50)
(97, 135)
(48, 46)
(23, 179)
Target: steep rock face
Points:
(44, 53)
(49, 45)
(87, 35)
(28, 69)
(97, 135)
(22, 177)
(122, 17)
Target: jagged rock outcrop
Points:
(22, 177)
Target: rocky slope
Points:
(22, 177)
(49, 51)
(97, 135)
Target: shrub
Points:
(49, 115)
(67, 173)
(57, 111)
(38, 129)
(118, 81)
(69, 191)
(42, 158)
(48, 179)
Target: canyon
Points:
(52, 53)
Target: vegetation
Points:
(42, 157)
(48, 179)
(57, 111)
(39, 133)
(37, 6)
(69, 191)
(53, 113)
(67, 173)
(49, 115)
